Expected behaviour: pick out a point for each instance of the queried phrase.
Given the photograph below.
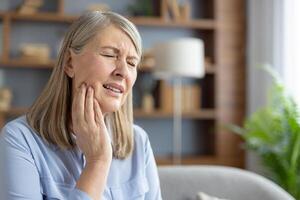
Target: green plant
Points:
(273, 133)
(141, 8)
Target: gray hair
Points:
(87, 26)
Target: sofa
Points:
(185, 182)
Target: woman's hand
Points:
(92, 136)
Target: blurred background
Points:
(237, 35)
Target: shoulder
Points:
(141, 139)
(17, 133)
(142, 145)
(140, 135)
(19, 122)
(16, 127)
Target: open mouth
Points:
(113, 89)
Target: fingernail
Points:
(82, 86)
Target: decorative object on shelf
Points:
(35, 52)
(148, 102)
(146, 86)
(173, 9)
(185, 11)
(5, 99)
(30, 6)
(273, 133)
(141, 8)
(98, 7)
(190, 97)
(177, 12)
(148, 61)
(208, 61)
(183, 57)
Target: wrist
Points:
(98, 162)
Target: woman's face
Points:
(108, 63)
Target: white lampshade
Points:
(182, 57)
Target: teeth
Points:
(112, 88)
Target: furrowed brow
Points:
(116, 50)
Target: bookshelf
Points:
(222, 27)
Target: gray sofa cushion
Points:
(184, 182)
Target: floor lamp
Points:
(174, 60)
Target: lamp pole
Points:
(183, 57)
(177, 123)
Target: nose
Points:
(121, 69)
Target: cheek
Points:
(91, 73)
(82, 77)
(132, 79)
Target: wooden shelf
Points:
(18, 63)
(14, 111)
(202, 24)
(207, 114)
(202, 160)
(209, 69)
(42, 17)
(205, 24)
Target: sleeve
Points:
(19, 177)
(77, 194)
(154, 192)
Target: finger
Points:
(98, 113)
(78, 104)
(100, 119)
(89, 107)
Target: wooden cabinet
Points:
(221, 24)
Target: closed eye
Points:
(109, 55)
(131, 64)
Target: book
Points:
(190, 97)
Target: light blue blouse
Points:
(32, 169)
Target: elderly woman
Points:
(78, 141)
